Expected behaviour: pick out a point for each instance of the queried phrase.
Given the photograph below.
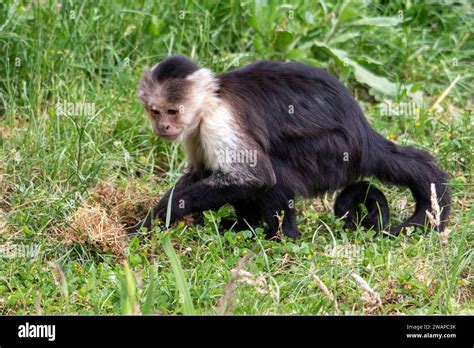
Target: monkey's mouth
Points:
(170, 136)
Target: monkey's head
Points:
(173, 93)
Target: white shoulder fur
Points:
(217, 131)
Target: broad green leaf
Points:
(154, 27)
(380, 84)
(368, 60)
(378, 21)
(350, 10)
(309, 17)
(259, 44)
(252, 20)
(298, 54)
(265, 12)
(344, 37)
(283, 40)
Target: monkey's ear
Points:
(145, 86)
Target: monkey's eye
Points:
(172, 111)
(155, 112)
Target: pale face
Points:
(165, 104)
(165, 119)
(175, 105)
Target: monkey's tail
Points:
(417, 170)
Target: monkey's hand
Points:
(155, 217)
(176, 209)
(207, 194)
(159, 211)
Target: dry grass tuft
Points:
(258, 282)
(92, 225)
(3, 224)
(101, 220)
(372, 300)
(225, 304)
(4, 207)
(435, 215)
(127, 205)
(3, 190)
(329, 295)
(239, 276)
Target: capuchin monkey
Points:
(259, 136)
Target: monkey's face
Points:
(165, 104)
(175, 105)
(164, 119)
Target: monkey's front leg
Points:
(278, 210)
(207, 194)
(185, 181)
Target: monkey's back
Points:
(303, 118)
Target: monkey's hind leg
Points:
(348, 207)
(248, 214)
(277, 207)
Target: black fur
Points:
(348, 207)
(174, 67)
(325, 145)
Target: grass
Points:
(58, 58)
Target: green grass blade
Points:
(182, 284)
(128, 291)
(147, 307)
(168, 210)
